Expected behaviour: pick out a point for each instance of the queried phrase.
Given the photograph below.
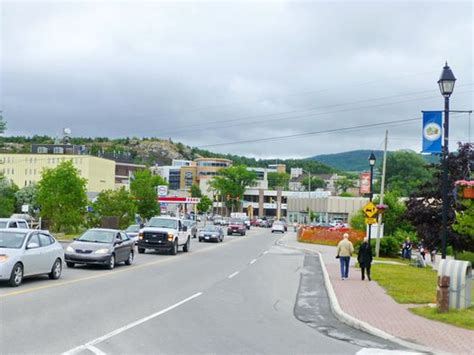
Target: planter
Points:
(468, 192)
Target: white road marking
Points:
(95, 350)
(91, 344)
(253, 261)
(265, 252)
(232, 275)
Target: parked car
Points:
(254, 222)
(132, 232)
(225, 221)
(28, 252)
(100, 246)
(13, 223)
(236, 226)
(265, 223)
(164, 233)
(278, 226)
(192, 227)
(211, 232)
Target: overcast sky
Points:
(206, 73)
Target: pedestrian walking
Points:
(344, 253)
(433, 255)
(422, 249)
(365, 259)
(406, 249)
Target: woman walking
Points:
(365, 258)
(344, 252)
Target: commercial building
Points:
(26, 169)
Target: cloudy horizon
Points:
(211, 73)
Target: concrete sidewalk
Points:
(368, 302)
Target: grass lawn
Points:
(406, 284)
(461, 318)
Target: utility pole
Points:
(382, 191)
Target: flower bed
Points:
(465, 188)
(320, 235)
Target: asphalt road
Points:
(240, 296)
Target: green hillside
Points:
(356, 160)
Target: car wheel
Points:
(56, 270)
(187, 246)
(174, 249)
(129, 260)
(200, 240)
(69, 264)
(16, 276)
(111, 263)
(141, 250)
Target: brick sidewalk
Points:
(367, 301)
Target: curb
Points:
(352, 321)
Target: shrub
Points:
(321, 235)
(466, 256)
(389, 246)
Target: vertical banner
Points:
(432, 132)
(364, 183)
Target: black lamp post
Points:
(372, 161)
(446, 86)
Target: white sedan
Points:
(278, 226)
(28, 252)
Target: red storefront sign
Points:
(364, 183)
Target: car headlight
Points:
(140, 235)
(3, 258)
(102, 251)
(70, 249)
(170, 237)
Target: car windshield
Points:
(162, 223)
(98, 236)
(12, 240)
(210, 229)
(133, 228)
(3, 224)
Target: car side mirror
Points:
(32, 245)
(118, 242)
(185, 228)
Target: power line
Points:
(239, 120)
(334, 130)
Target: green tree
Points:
(232, 182)
(357, 221)
(7, 197)
(3, 125)
(204, 205)
(464, 224)
(406, 172)
(195, 191)
(316, 183)
(119, 203)
(62, 197)
(143, 188)
(344, 183)
(276, 180)
(27, 196)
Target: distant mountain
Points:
(356, 160)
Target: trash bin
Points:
(460, 274)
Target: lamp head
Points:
(372, 159)
(446, 81)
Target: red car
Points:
(236, 226)
(339, 228)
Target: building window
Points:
(42, 150)
(58, 150)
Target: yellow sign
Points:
(371, 220)
(370, 210)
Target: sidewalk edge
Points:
(352, 321)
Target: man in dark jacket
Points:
(365, 258)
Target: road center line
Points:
(90, 345)
(265, 252)
(95, 350)
(253, 261)
(234, 274)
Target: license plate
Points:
(207, 238)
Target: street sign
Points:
(25, 208)
(371, 220)
(162, 190)
(370, 210)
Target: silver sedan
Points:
(28, 252)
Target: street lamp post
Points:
(372, 161)
(446, 86)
